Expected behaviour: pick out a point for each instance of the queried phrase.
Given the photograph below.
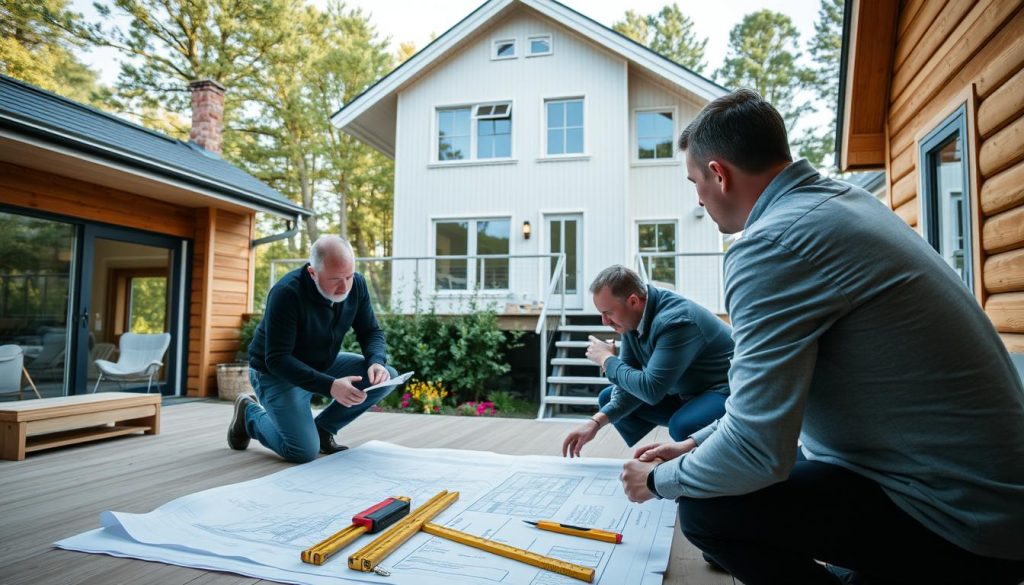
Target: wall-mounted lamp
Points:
(527, 230)
(698, 211)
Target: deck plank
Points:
(59, 493)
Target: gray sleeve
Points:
(780, 306)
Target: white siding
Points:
(658, 190)
(529, 187)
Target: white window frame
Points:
(658, 221)
(471, 247)
(635, 138)
(474, 108)
(544, 156)
(497, 43)
(529, 46)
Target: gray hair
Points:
(325, 246)
(740, 127)
(621, 281)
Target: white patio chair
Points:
(139, 359)
(12, 368)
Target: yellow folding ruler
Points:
(367, 558)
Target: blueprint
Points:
(258, 528)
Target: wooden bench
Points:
(33, 425)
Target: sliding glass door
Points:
(37, 265)
(69, 290)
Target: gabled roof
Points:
(27, 111)
(370, 116)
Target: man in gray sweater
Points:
(855, 339)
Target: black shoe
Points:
(238, 438)
(327, 444)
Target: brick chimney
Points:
(207, 114)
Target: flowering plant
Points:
(477, 409)
(425, 397)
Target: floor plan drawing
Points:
(259, 528)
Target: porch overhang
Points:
(869, 39)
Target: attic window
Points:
(504, 49)
(538, 45)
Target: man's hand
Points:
(579, 436)
(378, 374)
(663, 451)
(598, 351)
(345, 393)
(634, 480)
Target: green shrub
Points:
(465, 351)
(245, 335)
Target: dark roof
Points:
(30, 110)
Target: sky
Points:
(416, 20)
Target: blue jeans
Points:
(283, 421)
(682, 417)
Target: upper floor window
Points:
(654, 134)
(945, 205)
(538, 45)
(453, 134)
(494, 131)
(484, 130)
(564, 126)
(504, 49)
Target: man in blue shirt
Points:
(294, 354)
(855, 340)
(672, 370)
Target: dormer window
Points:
(538, 45)
(504, 49)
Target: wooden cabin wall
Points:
(944, 49)
(36, 190)
(222, 257)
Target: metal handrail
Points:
(417, 259)
(641, 269)
(542, 327)
(558, 274)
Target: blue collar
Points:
(790, 178)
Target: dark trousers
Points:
(682, 417)
(826, 513)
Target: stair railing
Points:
(558, 276)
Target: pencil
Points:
(591, 533)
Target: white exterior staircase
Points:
(574, 380)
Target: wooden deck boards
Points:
(56, 494)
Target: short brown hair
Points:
(621, 281)
(740, 127)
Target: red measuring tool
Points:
(373, 519)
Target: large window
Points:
(654, 133)
(658, 237)
(483, 130)
(472, 237)
(564, 126)
(945, 205)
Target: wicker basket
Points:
(232, 380)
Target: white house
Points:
(529, 137)
(530, 129)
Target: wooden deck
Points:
(59, 493)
